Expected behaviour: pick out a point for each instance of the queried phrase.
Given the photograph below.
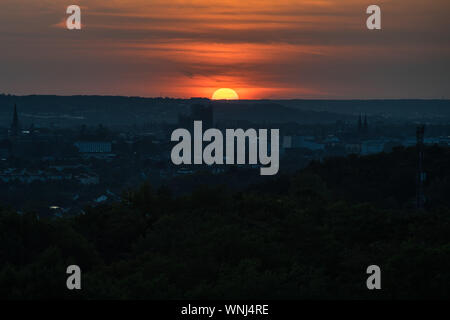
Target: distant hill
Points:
(261, 112)
(115, 110)
(400, 109)
(89, 110)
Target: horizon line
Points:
(237, 100)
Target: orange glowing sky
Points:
(260, 48)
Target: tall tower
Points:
(366, 125)
(360, 123)
(15, 126)
(203, 113)
(420, 178)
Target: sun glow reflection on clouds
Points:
(263, 49)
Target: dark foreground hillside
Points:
(307, 236)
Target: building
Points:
(363, 126)
(93, 147)
(199, 112)
(302, 142)
(14, 130)
(372, 146)
(87, 178)
(204, 113)
(353, 148)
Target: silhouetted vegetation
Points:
(310, 235)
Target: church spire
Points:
(360, 123)
(15, 127)
(366, 125)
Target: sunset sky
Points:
(260, 48)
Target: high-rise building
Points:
(199, 112)
(204, 113)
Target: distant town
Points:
(57, 163)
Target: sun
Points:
(225, 94)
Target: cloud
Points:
(264, 47)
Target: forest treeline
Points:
(310, 235)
